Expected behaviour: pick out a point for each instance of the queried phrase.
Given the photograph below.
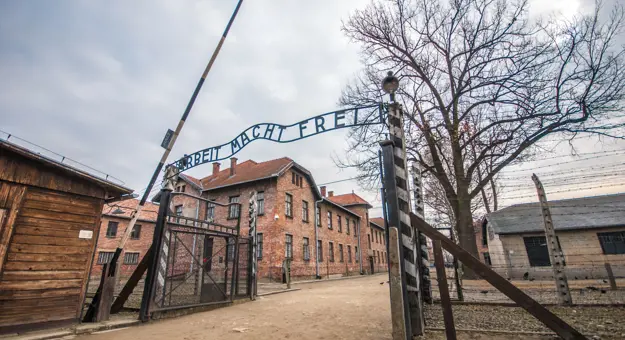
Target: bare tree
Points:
(481, 84)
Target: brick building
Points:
(115, 218)
(378, 257)
(481, 240)
(590, 230)
(290, 206)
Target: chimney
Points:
(330, 193)
(233, 166)
(323, 190)
(216, 167)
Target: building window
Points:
(339, 223)
(111, 230)
(178, 212)
(305, 211)
(341, 259)
(356, 254)
(369, 239)
(487, 258)
(289, 205)
(319, 251)
(293, 178)
(356, 229)
(259, 245)
(537, 252)
(181, 188)
(306, 247)
(612, 243)
(484, 238)
(230, 250)
(136, 232)
(347, 225)
(289, 247)
(233, 208)
(210, 211)
(329, 220)
(131, 258)
(349, 254)
(318, 218)
(260, 203)
(331, 251)
(105, 256)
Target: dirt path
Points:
(347, 309)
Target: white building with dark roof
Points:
(591, 232)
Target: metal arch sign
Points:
(285, 133)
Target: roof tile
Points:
(348, 199)
(245, 172)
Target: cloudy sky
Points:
(101, 81)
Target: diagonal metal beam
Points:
(541, 313)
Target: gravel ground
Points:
(357, 309)
(606, 322)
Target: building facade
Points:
(590, 230)
(115, 219)
(49, 221)
(322, 234)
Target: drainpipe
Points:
(197, 217)
(359, 248)
(317, 239)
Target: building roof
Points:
(378, 222)
(247, 171)
(112, 188)
(325, 200)
(192, 181)
(570, 214)
(251, 171)
(350, 199)
(148, 213)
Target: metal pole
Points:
(135, 214)
(400, 314)
(253, 212)
(425, 286)
(398, 205)
(555, 252)
(148, 289)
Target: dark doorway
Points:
(371, 264)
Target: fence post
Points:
(608, 268)
(288, 273)
(441, 274)
(456, 268)
(159, 227)
(555, 252)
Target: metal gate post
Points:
(553, 246)
(253, 212)
(150, 282)
(398, 206)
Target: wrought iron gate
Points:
(199, 261)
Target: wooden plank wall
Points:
(18, 169)
(47, 264)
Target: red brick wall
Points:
(107, 244)
(481, 248)
(274, 230)
(378, 249)
(327, 235)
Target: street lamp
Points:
(117, 211)
(390, 84)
